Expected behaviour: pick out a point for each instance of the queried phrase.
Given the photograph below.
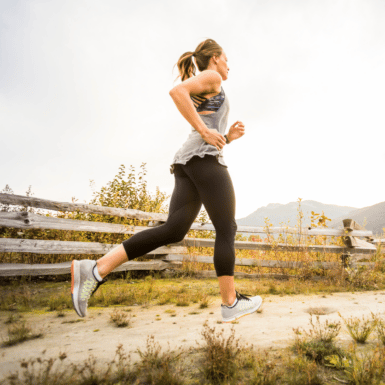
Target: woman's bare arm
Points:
(205, 83)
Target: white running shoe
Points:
(244, 306)
(83, 284)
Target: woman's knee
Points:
(228, 230)
(175, 233)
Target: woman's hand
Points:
(213, 137)
(236, 131)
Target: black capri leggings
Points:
(201, 180)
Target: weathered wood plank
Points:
(17, 269)
(286, 230)
(363, 244)
(26, 220)
(68, 247)
(157, 217)
(257, 262)
(81, 207)
(245, 245)
(10, 245)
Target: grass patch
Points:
(119, 318)
(220, 355)
(318, 342)
(18, 332)
(204, 301)
(157, 366)
(301, 371)
(55, 296)
(380, 329)
(360, 329)
(13, 318)
(361, 368)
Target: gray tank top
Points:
(195, 145)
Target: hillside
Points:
(287, 213)
(374, 216)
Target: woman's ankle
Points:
(230, 301)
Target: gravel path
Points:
(272, 327)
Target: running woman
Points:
(201, 177)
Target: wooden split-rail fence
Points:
(358, 243)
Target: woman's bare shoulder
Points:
(206, 82)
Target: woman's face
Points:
(222, 66)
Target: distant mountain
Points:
(374, 216)
(287, 213)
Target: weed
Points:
(318, 342)
(338, 362)
(40, 371)
(156, 366)
(164, 299)
(119, 318)
(366, 368)
(360, 329)
(272, 288)
(319, 311)
(325, 332)
(59, 302)
(204, 301)
(316, 350)
(264, 371)
(380, 329)
(221, 355)
(19, 332)
(301, 371)
(183, 300)
(364, 278)
(13, 318)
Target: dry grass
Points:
(221, 355)
(20, 331)
(366, 368)
(360, 329)
(220, 359)
(318, 342)
(157, 366)
(55, 296)
(380, 329)
(119, 318)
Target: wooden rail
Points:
(30, 220)
(355, 249)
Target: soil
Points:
(271, 328)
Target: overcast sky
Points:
(84, 88)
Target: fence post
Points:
(352, 242)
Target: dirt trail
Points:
(273, 327)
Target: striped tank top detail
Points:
(195, 145)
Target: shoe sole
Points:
(242, 315)
(75, 281)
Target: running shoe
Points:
(243, 306)
(83, 284)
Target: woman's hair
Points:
(203, 53)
